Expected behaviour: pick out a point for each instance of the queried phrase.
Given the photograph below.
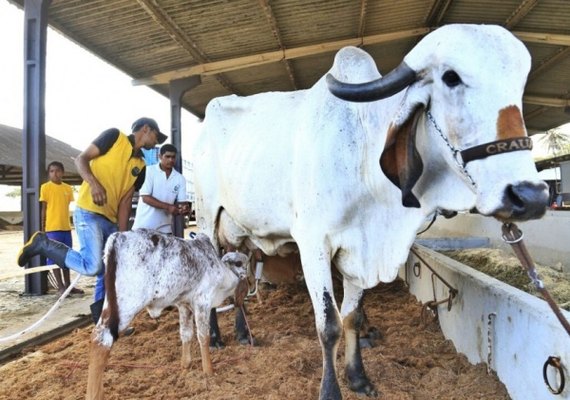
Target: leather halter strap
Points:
(494, 148)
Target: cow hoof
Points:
(368, 340)
(366, 343)
(129, 331)
(247, 341)
(359, 383)
(374, 334)
(216, 343)
(364, 387)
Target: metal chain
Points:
(452, 291)
(513, 235)
(490, 340)
(456, 153)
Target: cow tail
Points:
(111, 290)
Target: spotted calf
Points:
(147, 269)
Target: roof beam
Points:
(522, 10)
(162, 18)
(546, 64)
(276, 33)
(546, 101)
(362, 19)
(546, 38)
(217, 67)
(535, 113)
(437, 12)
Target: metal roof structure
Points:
(11, 157)
(251, 46)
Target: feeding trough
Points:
(515, 333)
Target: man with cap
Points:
(112, 166)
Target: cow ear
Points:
(400, 160)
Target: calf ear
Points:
(400, 160)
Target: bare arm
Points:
(43, 208)
(98, 192)
(124, 212)
(154, 202)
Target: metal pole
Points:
(177, 89)
(33, 134)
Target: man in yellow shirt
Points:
(111, 167)
(55, 197)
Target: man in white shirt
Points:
(162, 195)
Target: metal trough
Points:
(514, 333)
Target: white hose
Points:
(42, 319)
(225, 308)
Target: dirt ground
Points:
(16, 310)
(411, 361)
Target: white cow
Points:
(277, 168)
(148, 269)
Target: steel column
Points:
(177, 89)
(33, 134)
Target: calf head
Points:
(461, 114)
(237, 262)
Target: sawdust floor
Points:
(412, 361)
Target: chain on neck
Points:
(456, 154)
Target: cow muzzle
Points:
(523, 201)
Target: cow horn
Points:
(394, 81)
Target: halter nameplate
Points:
(494, 148)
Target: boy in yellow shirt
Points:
(55, 197)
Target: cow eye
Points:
(451, 79)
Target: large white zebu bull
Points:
(302, 167)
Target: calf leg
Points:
(201, 318)
(353, 317)
(186, 333)
(100, 348)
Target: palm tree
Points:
(557, 141)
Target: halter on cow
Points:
(283, 168)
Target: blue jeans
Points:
(92, 230)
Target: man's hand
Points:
(98, 193)
(172, 209)
(183, 208)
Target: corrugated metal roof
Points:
(11, 157)
(250, 46)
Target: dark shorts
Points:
(61, 236)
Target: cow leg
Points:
(186, 333)
(215, 335)
(243, 335)
(327, 319)
(201, 316)
(368, 333)
(100, 348)
(353, 317)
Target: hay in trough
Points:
(507, 268)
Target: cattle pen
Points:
(413, 360)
